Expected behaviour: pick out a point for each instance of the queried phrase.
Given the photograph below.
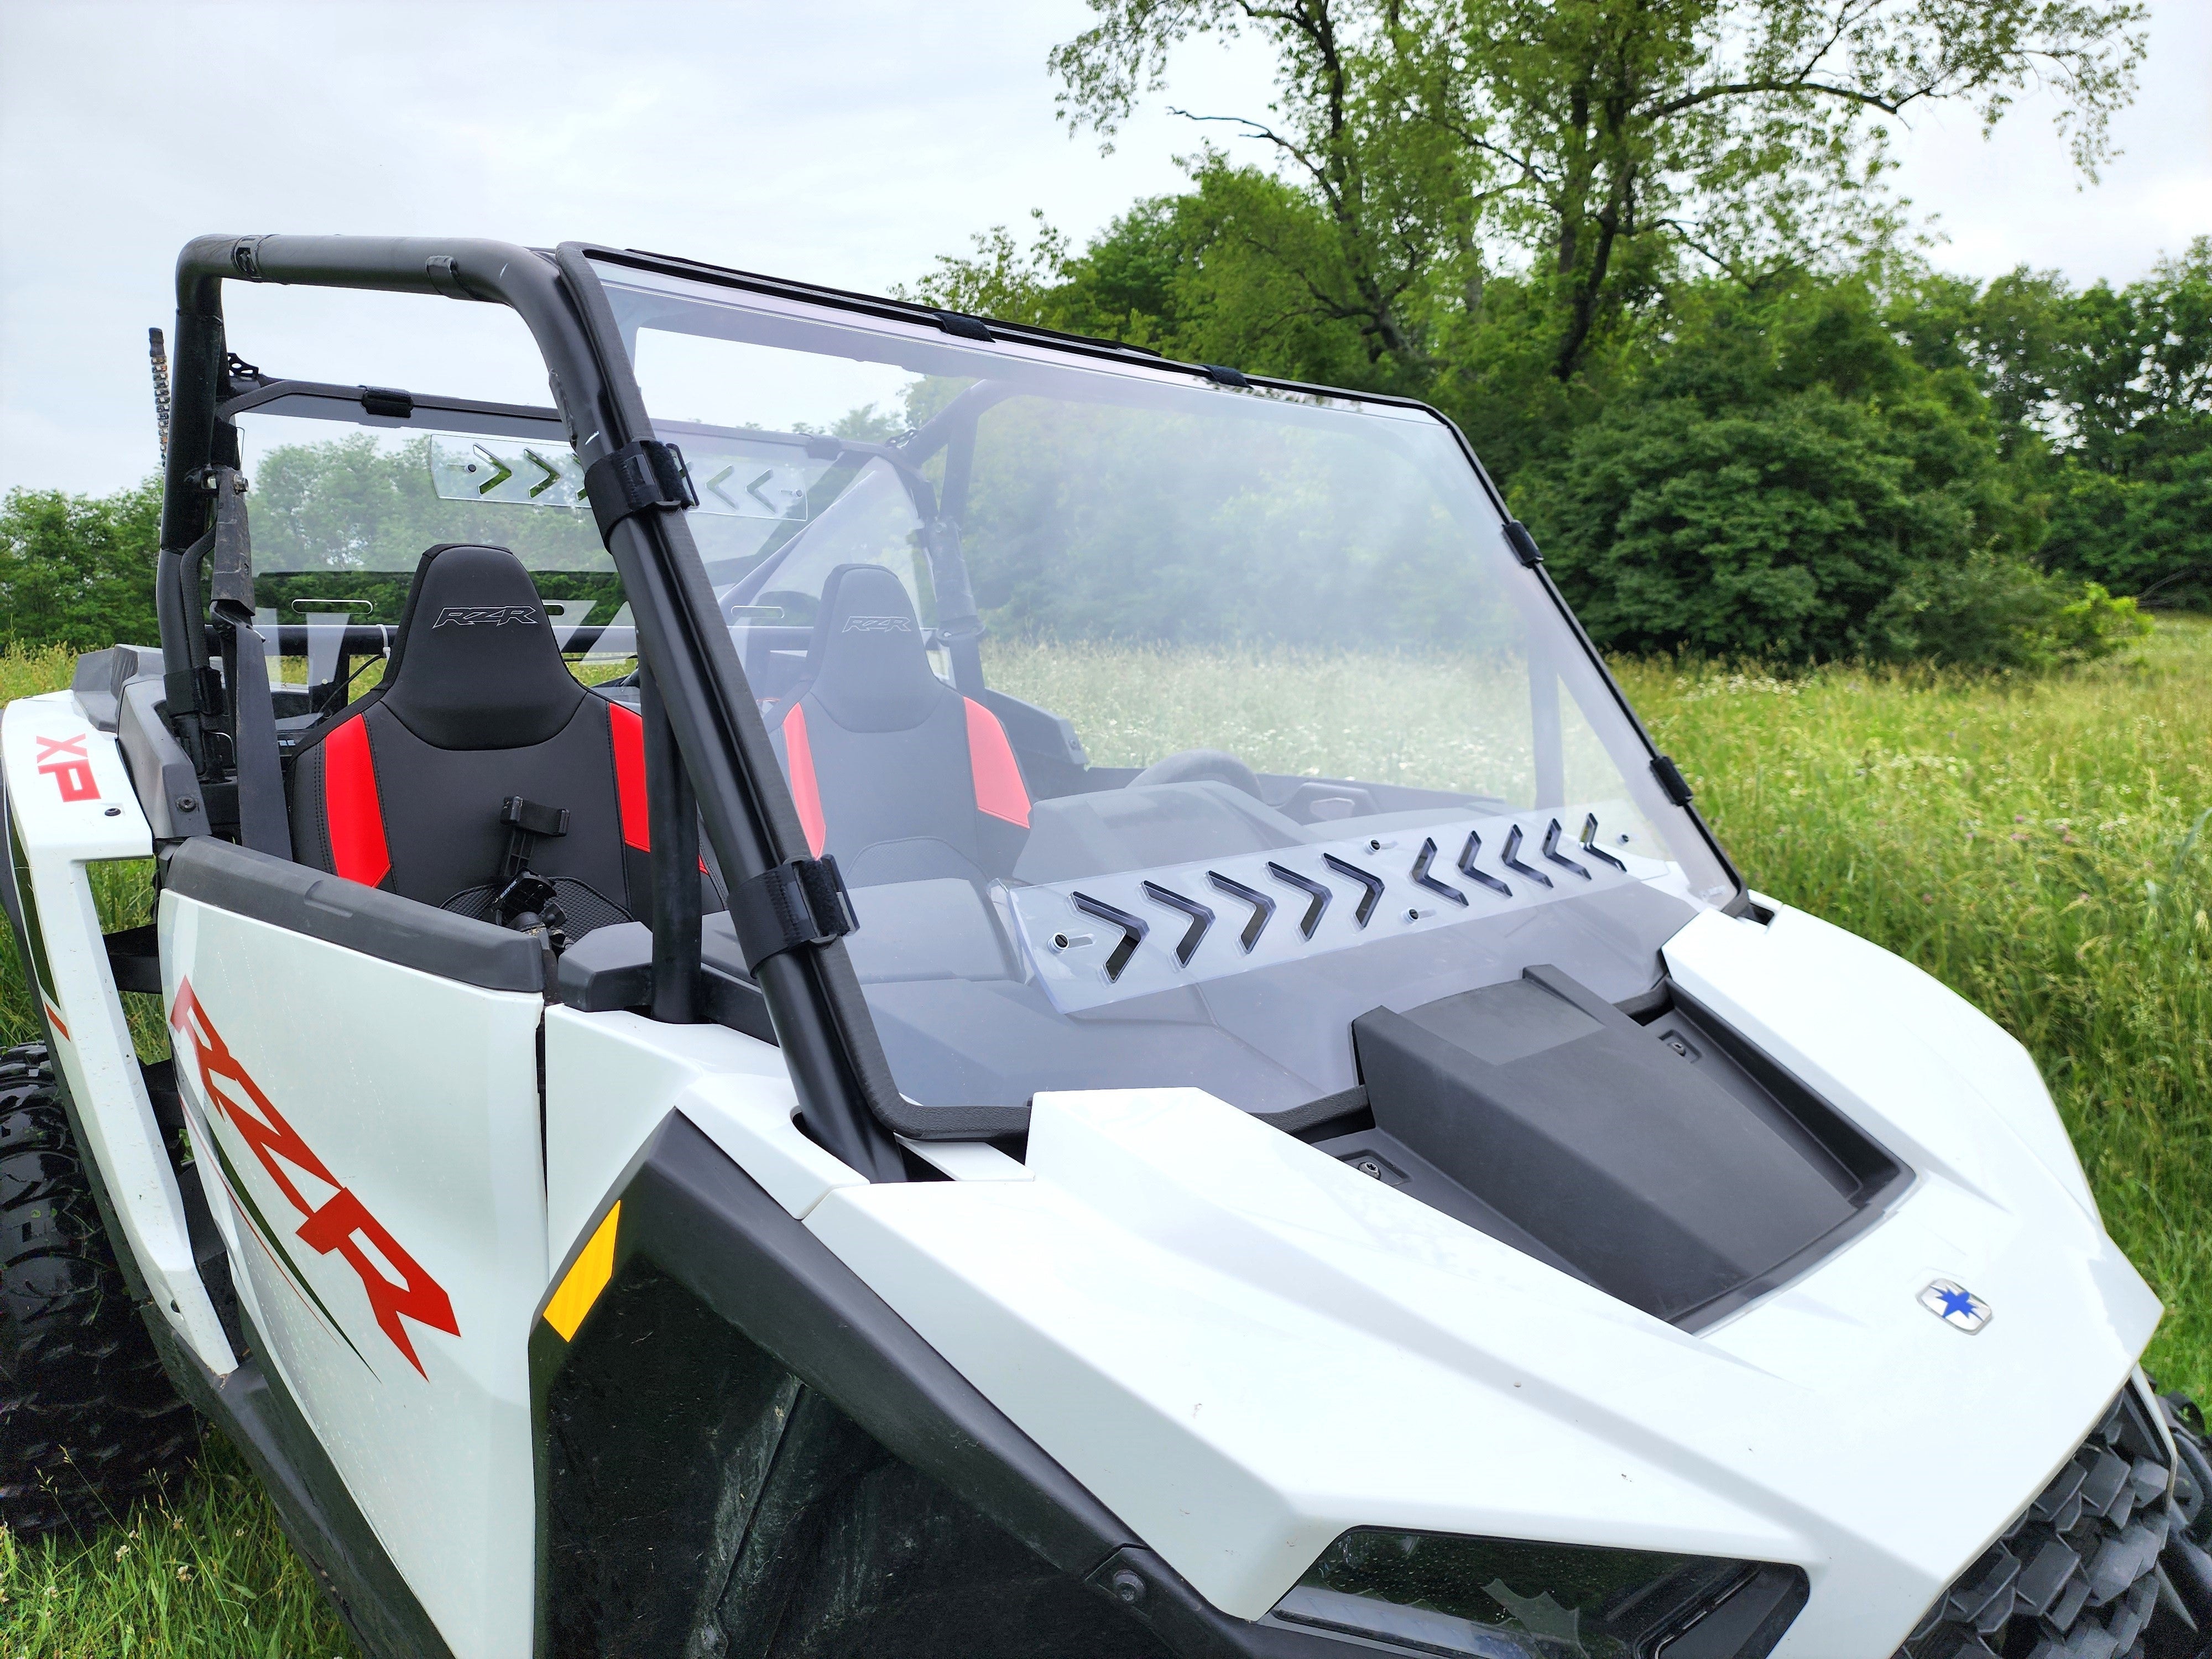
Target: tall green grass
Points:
(2043, 845)
(199, 1573)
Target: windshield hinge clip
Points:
(803, 901)
(641, 476)
(1523, 543)
(1671, 778)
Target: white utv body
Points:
(1392, 1190)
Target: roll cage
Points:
(709, 760)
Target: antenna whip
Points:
(158, 350)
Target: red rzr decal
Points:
(342, 1222)
(73, 777)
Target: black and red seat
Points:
(402, 788)
(895, 772)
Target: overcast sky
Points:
(846, 143)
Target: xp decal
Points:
(63, 760)
(341, 1222)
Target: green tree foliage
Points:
(2109, 393)
(1645, 256)
(1612, 142)
(346, 519)
(78, 570)
(354, 504)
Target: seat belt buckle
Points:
(803, 902)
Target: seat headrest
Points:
(476, 665)
(868, 669)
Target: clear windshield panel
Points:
(1160, 728)
(340, 514)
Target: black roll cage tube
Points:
(847, 1098)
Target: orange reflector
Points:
(585, 1278)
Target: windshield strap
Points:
(643, 474)
(803, 901)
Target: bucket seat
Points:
(404, 787)
(893, 771)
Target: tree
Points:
(78, 570)
(1789, 481)
(2107, 397)
(1609, 140)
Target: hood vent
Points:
(1667, 1165)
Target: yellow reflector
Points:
(586, 1277)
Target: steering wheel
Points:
(1201, 766)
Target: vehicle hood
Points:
(1245, 1347)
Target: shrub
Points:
(1993, 611)
(1778, 529)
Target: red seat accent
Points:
(999, 787)
(805, 793)
(351, 807)
(627, 732)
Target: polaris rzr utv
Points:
(892, 985)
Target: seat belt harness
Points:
(641, 476)
(803, 901)
(526, 901)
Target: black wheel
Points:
(87, 1419)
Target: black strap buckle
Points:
(527, 822)
(801, 903)
(639, 475)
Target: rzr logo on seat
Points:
(341, 1222)
(486, 615)
(877, 625)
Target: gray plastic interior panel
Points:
(344, 913)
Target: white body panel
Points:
(418, 1098)
(73, 807)
(1244, 1347)
(611, 1078)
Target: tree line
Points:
(1650, 260)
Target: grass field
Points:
(2045, 846)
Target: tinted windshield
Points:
(1160, 727)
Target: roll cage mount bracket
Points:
(697, 703)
